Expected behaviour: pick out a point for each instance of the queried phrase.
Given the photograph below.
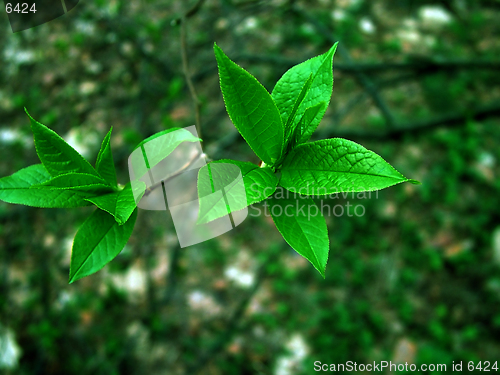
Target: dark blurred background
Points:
(416, 279)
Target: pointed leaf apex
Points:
(334, 47)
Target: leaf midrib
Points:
(90, 253)
(306, 237)
(329, 170)
(238, 95)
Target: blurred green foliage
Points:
(415, 279)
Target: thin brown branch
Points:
(362, 78)
(420, 65)
(190, 13)
(423, 66)
(187, 74)
(452, 119)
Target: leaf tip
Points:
(322, 273)
(332, 50)
(217, 49)
(26, 110)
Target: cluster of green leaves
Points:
(64, 179)
(278, 127)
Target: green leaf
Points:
(104, 164)
(303, 226)
(120, 204)
(336, 165)
(288, 88)
(98, 241)
(56, 155)
(221, 175)
(76, 181)
(251, 109)
(17, 189)
(305, 129)
(158, 147)
(290, 126)
(190, 137)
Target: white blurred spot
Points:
(197, 300)
(405, 351)
(241, 272)
(240, 277)
(87, 88)
(63, 299)
(134, 281)
(94, 67)
(291, 363)
(10, 352)
(85, 27)
(127, 48)
(434, 16)
(487, 159)
(8, 135)
(221, 24)
(18, 56)
(409, 32)
(367, 26)
(250, 23)
(67, 245)
(14, 55)
(338, 15)
(82, 141)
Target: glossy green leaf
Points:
(105, 165)
(156, 135)
(257, 185)
(120, 204)
(76, 181)
(290, 125)
(305, 127)
(288, 88)
(56, 155)
(158, 147)
(303, 226)
(17, 189)
(251, 109)
(98, 241)
(336, 165)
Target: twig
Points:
(363, 79)
(417, 127)
(190, 13)
(344, 111)
(185, 68)
(172, 273)
(422, 64)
